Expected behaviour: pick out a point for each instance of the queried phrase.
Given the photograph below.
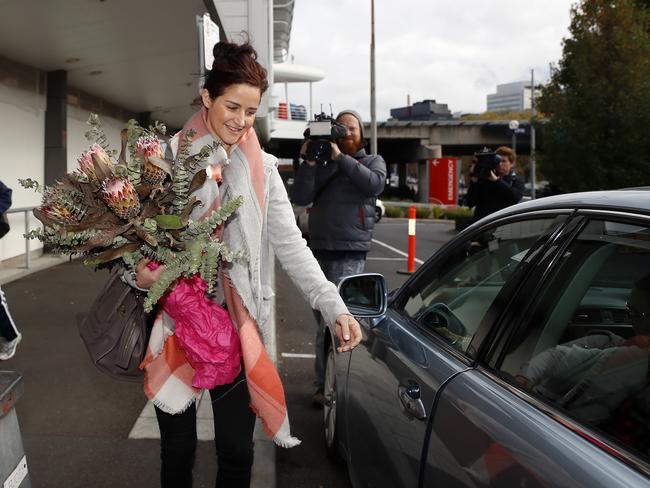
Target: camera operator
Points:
(496, 188)
(342, 192)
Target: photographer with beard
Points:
(497, 189)
(343, 193)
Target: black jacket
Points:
(489, 196)
(343, 194)
(5, 197)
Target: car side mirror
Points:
(365, 295)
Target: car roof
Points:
(635, 200)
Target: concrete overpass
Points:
(408, 144)
(408, 141)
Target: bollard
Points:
(410, 260)
(13, 464)
(410, 267)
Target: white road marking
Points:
(385, 259)
(394, 249)
(146, 426)
(297, 355)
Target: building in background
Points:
(511, 97)
(424, 110)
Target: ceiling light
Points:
(72, 60)
(95, 72)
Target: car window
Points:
(452, 298)
(584, 348)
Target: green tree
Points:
(598, 100)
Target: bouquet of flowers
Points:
(118, 212)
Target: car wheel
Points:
(377, 214)
(330, 408)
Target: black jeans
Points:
(234, 422)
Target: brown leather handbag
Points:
(116, 329)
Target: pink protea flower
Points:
(120, 195)
(149, 147)
(86, 160)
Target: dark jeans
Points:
(234, 422)
(334, 270)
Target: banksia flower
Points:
(61, 214)
(120, 195)
(147, 147)
(86, 161)
(62, 205)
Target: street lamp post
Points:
(513, 125)
(533, 156)
(373, 114)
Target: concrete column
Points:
(423, 172)
(423, 181)
(56, 130)
(402, 174)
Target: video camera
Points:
(322, 131)
(486, 161)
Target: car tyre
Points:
(330, 408)
(378, 215)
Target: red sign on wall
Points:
(443, 183)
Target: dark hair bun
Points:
(232, 55)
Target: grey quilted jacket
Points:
(343, 194)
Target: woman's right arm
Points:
(296, 258)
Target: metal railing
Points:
(26, 211)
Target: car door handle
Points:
(409, 395)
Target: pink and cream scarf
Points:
(168, 374)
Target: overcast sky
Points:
(453, 51)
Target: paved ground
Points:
(308, 466)
(75, 421)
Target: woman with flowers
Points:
(232, 363)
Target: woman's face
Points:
(231, 114)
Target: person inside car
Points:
(593, 375)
